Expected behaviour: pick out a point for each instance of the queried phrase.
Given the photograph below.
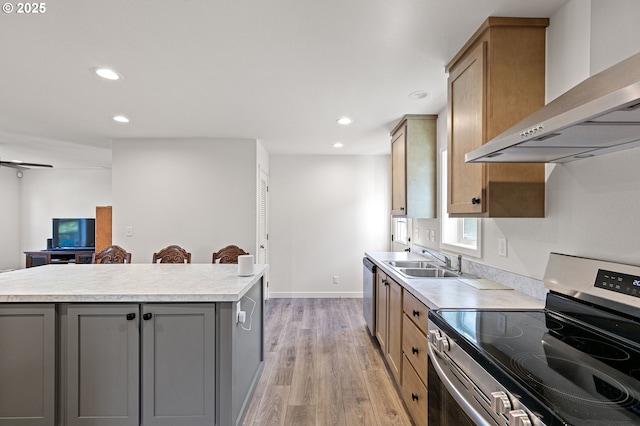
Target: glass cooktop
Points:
(566, 370)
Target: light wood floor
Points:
(322, 368)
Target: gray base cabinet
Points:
(101, 365)
(27, 362)
(130, 364)
(178, 365)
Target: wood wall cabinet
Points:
(413, 166)
(127, 362)
(389, 322)
(497, 79)
(28, 362)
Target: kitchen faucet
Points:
(446, 260)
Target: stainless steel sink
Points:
(426, 272)
(421, 264)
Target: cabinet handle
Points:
(401, 208)
(131, 317)
(414, 350)
(147, 316)
(475, 200)
(414, 396)
(416, 313)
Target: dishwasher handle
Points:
(369, 264)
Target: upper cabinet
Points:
(413, 166)
(496, 79)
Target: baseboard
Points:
(316, 295)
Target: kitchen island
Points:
(129, 344)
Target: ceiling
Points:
(280, 71)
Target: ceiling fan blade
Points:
(22, 165)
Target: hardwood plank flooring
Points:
(322, 369)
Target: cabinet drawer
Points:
(414, 346)
(416, 310)
(414, 393)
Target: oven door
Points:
(444, 410)
(460, 390)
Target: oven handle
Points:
(475, 415)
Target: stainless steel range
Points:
(576, 362)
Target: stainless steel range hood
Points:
(598, 116)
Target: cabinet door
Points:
(102, 372)
(398, 172)
(466, 133)
(178, 364)
(382, 305)
(394, 321)
(27, 365)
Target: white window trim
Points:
(460, 246)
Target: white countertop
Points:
(127, 283)
(437, 293)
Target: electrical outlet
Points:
(502, 247)
(241, 315)
(432, 235)
(129, 231)
(336, 279)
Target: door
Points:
(27, 365)
(263, 224)
(178, 364)
(382, 306)
(394, 330)
(103, 365)
(401, 229)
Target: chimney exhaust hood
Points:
(598, 116)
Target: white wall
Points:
(326, 211)
(197, 193)
(49, 193)
(591, 204)
(9, 219)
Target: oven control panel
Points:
(618, 282)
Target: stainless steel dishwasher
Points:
(369, 294)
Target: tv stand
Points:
(48, 257)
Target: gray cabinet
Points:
(178, 368)
(27, 362)
(149, 364)
(102, 365)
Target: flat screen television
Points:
(74, 233)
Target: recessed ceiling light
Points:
(107, 73)
(418, 94)
(120, 119)
(338, 145)
(344, 120)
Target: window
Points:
(401, 233)
(400, 230)
(458, 235)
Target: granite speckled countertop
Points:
(438, 293)
(127, 283)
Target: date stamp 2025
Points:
(24, 8)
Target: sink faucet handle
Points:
(459, 264)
